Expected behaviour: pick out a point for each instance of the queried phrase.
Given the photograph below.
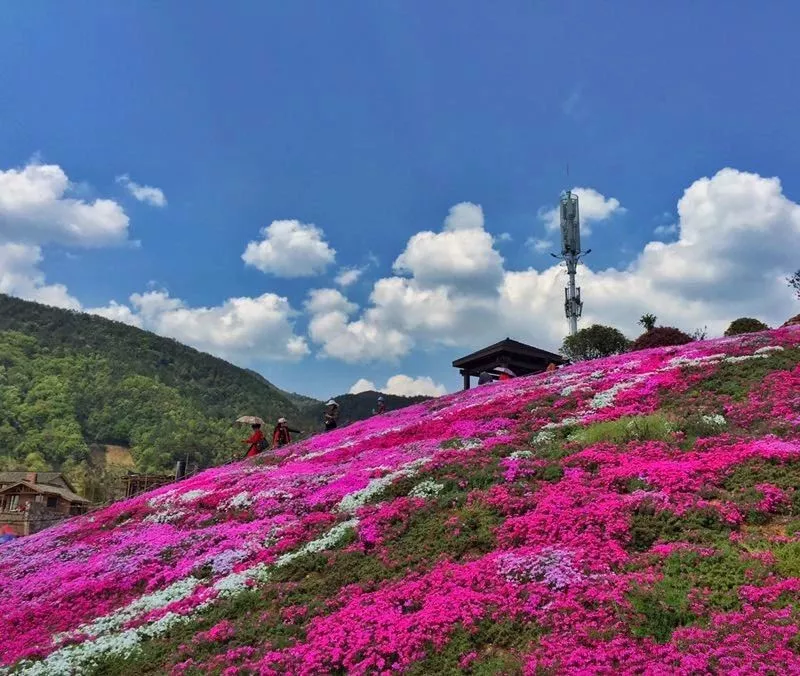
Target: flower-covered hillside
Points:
(638, 514)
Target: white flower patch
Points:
(159, 500)
(716, 419)
(769, 349)
(331, 538)
(167, 516)
(695, 361)
(519, 455)
(144, 604)
(225, 561)
(426, 489)
(189, 496)
(543, 437)
(746, 357)
(471, 444)
(234, 583)
(239, 501)
(84, 657)
(273, 494)
(605, 398)
(351, 502)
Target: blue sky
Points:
(371, 120)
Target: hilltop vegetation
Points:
(637, 514)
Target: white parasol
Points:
(250, 420)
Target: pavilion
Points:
(522, 359)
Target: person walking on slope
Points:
(256, 440)
(331, 415)
(282, 434)
(381, 407)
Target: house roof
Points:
(511, 347)
(47, 478)
(46, 489)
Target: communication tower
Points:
(571, 254)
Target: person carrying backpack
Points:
(256, 440)
(282, 434)
(331, 415)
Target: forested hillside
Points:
(70, 380)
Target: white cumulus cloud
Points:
(36, 207)
(245, 329)
(20, 276)
(348, 276)
(290, 249)
(144, 193)
(402, 386)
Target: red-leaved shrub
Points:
(661, 336)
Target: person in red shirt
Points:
(281, 434)
(256, 441)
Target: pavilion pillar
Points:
(466, 375)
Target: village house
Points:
(32, 501)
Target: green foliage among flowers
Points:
(745, 325)
(635, 515)
(594, 342)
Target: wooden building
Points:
(32, 501)
(522, 359)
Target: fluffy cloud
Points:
(736, 238)
(594, 208)
(348, 276)
(144, 193)
(290, 249)
(402, 386)
(246, 329)
(461, 255)
(361, 340)
(539, 245)
(118, 313)
(35, 208)
(20, 276)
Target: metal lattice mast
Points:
(571, 254)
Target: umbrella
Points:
(250, 420)
(507, 371)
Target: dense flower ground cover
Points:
(638, 514)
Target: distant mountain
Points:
(353, 407)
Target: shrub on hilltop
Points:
(594, 342)
(745, 325)
(661, 336)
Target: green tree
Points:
(648, 322)
(745, 325)
(594, 342)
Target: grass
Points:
(700, 526)
(737, 379)
(662, 608)
(654, 427)
(499, 646)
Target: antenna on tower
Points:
(571, 254)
